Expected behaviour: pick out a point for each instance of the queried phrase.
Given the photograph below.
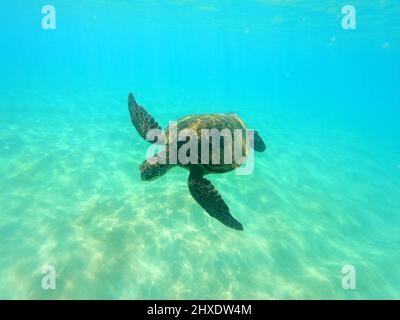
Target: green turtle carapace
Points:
(200, 188)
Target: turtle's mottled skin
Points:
(200, 188)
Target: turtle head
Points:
(152, 169)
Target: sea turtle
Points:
(200, 188)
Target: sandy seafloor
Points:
(325, 193)
(72, 197)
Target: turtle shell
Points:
(228, 127)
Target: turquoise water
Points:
(324, 195)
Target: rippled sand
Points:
(319, 198)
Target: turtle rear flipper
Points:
(259, 144)
(208, 197)
(141, 119)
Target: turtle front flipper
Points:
(208, 197)
(141, 119)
